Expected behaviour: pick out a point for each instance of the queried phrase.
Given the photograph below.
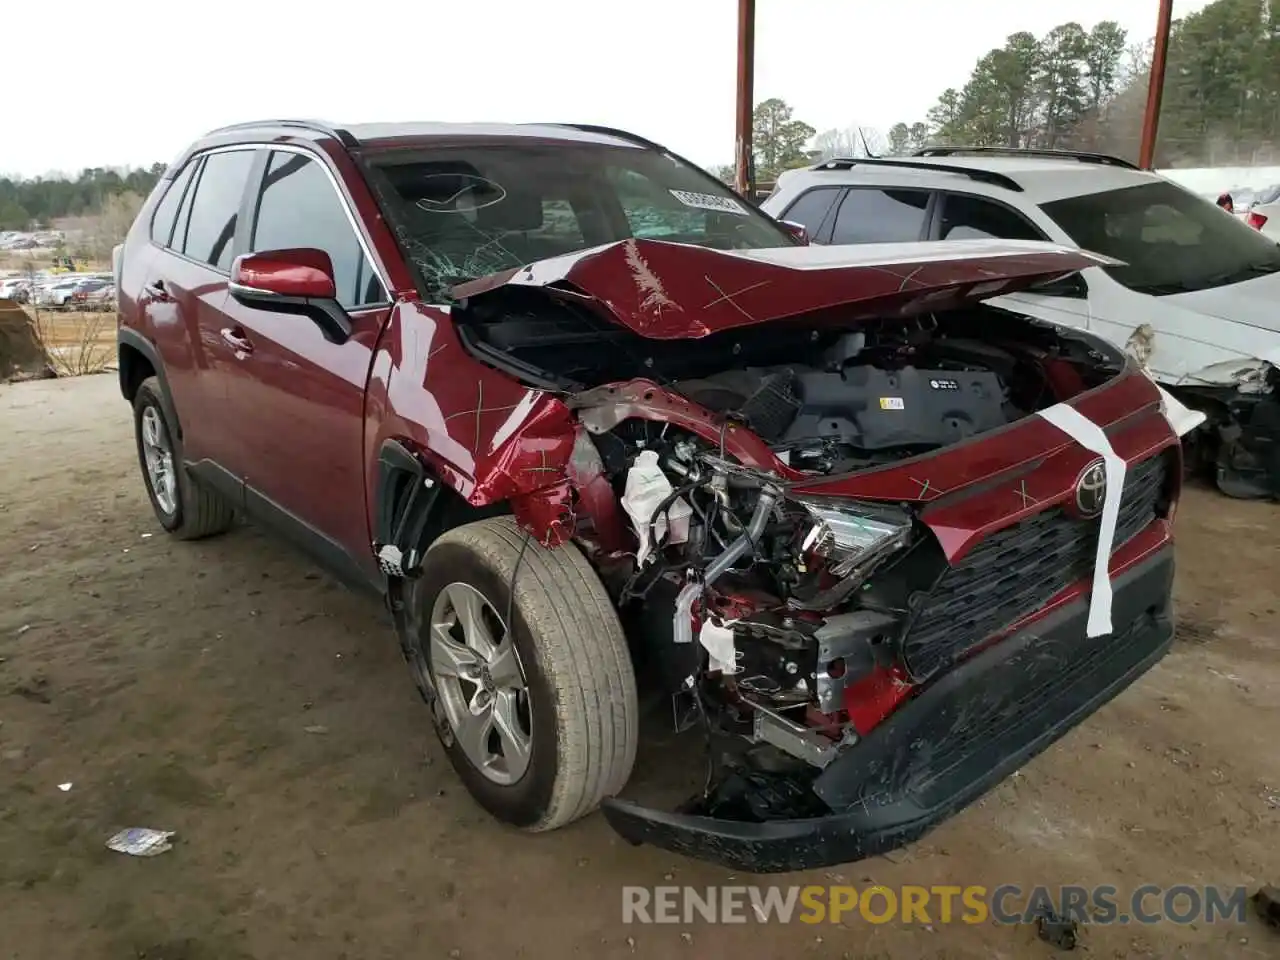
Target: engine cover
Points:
(874, 409)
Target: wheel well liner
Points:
(413, 505)
(139, 359)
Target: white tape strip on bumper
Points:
(1091, 436)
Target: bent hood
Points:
(670, 291)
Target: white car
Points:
(1264, 214)
(1197, 299)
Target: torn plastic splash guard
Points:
(959, 737)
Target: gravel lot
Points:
(230, 692)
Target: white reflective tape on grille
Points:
(1091, 436)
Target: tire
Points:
(187, 510)
(581, 711)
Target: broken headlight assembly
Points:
(851, 538)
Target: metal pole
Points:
(1155, 87)
(743, 174)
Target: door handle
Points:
(234, 338)
(156, 291)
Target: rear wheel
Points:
(533, 691)
(183, 506)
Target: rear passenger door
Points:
(882, 215)
(963, 216)
(186, 296)
(297, 397)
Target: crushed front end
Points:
(867, 668)
(863, 559)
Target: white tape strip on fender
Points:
(1090, 436)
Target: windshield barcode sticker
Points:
(709, 201)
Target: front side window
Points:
(811, 208)
(966, 217)
(298, 207)
(466, 212)
(212, 224)
(880, 216)
(1171, 241)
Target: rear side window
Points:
(298, 207)
(212, 225)
(811, 208)
(880, 216)
(167, 209)
(972, 218)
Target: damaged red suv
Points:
(582, 416)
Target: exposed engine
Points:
(760, 606)
(755, 606)
(860, 408)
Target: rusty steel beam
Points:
(743, 174)
(1155, 86)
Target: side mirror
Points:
(296, 281)
(1072, 285)
(798, 231)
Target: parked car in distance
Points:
(586, 420)
(17, 289)
(1195, 300)
(92, 295)
(57, 293)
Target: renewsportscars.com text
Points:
(938, 904)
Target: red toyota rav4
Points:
(580, 414)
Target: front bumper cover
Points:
(960, 736)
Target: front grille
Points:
(1019, 569)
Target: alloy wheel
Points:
(480, 683)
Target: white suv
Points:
(1197, 299)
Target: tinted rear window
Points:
(1171, 241)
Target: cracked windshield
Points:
(463, 214)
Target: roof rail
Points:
(315, 126)
(982, 176)
(1084, 157)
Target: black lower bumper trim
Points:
(960, 736)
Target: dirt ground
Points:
(228, 691)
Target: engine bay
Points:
(757, 609)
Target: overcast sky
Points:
(133, 81)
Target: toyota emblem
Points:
(1091, 489)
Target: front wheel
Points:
(533, 690)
